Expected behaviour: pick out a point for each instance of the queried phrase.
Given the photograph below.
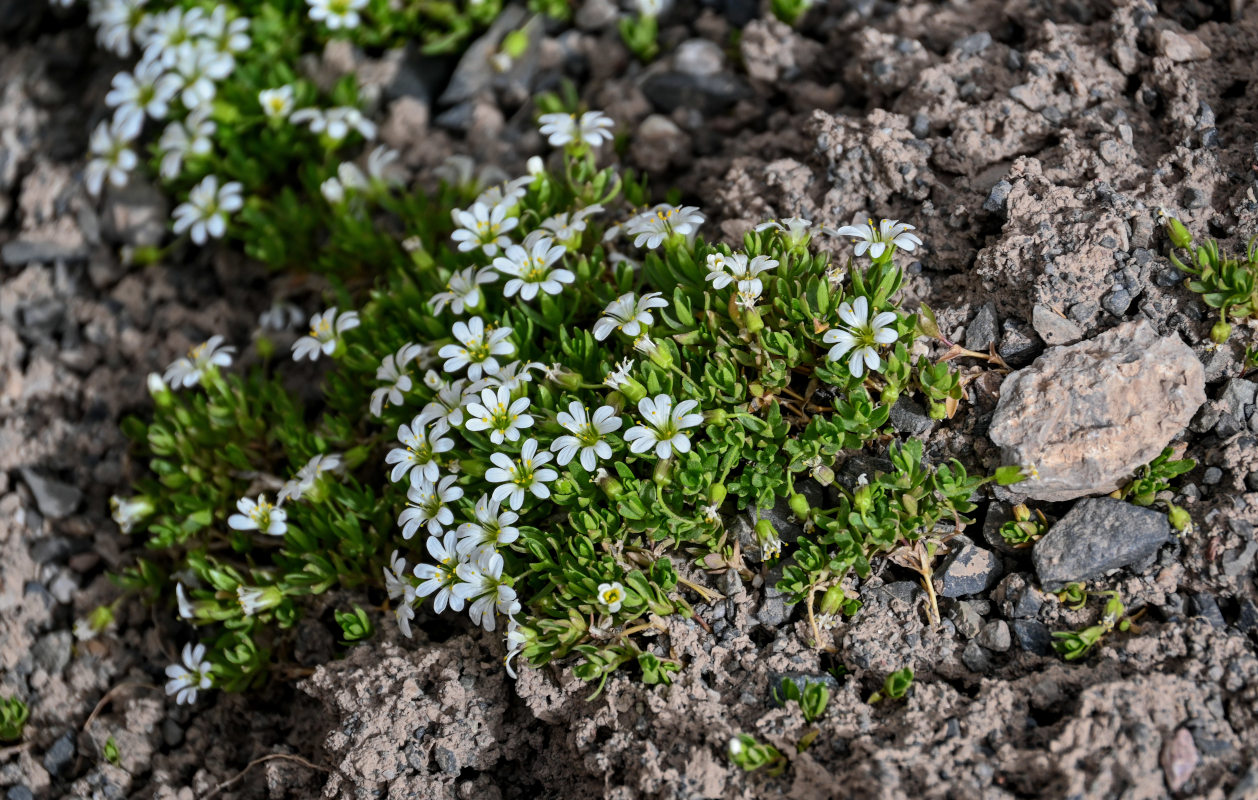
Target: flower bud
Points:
(536, 166)
(717, 416)
(611, 487)
(717, 493)
(863, 499)
(768, 539)
(661, 475)
(889, 395)
(799, 506)
(1179, 235)
(1220, 332)
(1180, 519)
(833, 600)
(632, 389)
(752, 320)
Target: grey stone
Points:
(968, 620)
(921, 127)
(906, 592)
(19, 793)
(1168, 277)
(1247, 618)
(968, 570)
(995, 636)
(698, 57)
(975, 658)
(595, 15)
(59, 755)
(848, 475)
(998, 197)
(1098, 535)
(1206, 607)
(1116, 301)
(48, 549)
(25, 251)
(52, 652)
(982, 330)
(773, 611)
(1018, 345)
(707, 94)
(907, 416)
(1053, 328)
(1195, 198)
(474, 73)
(1212, 476)
(973, 44)
(1238, 397)
(172, 732)
(1019, 599)
(55, 499)
(447, 760)
(1032, 636)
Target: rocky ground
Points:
(1031, 143)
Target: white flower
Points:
(651, 228)
(531, 269)
(739, 270)
(492, 528)
(112, 156)
(611, 596)
(446, 407)
(498, 414)
(182, 139)
(404, 611)
(171, 35)
(382, 165)
(861, 336)
(337, 14)
(520, 475)
(186, 609)
(592, 128)
(795, 230)
(587, 434)
(440, 579)
(664, 425)
(392, 371)
(890, 232)
(187, 372)
(332, 191)
(205, 212)
(115, 20)
(511, 377)
(277, 103)
(420, 448)
(515, 644)
(620, 375)
(747, 293)
(567, 227)
(505, 193)
(148, 91)
(307, 475)
(628, 314)
(129, 511)
(201, 67)
(335, 122)
(481, 582)
(483, 226)
(228, 37)
(395, 582)
(476, 348)
(258, 516)
(463, 290)
(280, 317)
(191, 676)
(325, 334)
(428, 505)
(652, 8)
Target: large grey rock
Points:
(968, 570)
(54, 498)
(1098, 535)
(1089, 415)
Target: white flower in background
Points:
(492, 528)
(392, 371)
(499, 414)
(395, 582)
(383, 165)
(258, 516)
(428, 505)
(186, 609)
(463, 290)
(476, 348)
(205, 213)
(326, 329)
(520, 475)
(332, 191)
(404, 612)
(567, 227)
(530, 269)
(736, 268)
(650, 228)
(335, 122)
(127, 512)
(505, 193)
(592, 128)
(664, 426)
(187, 372)
(446, 407)
(439, 580)
(352, 177)
(305, 479)
(629, 314)
(189, 677)
(277, 103)
(115, 21)
(511, 377)
(890, 232)
(535, 165)
(148, 91)
(337, 14)
(795, 230)
(201, 67)
(481, 582)
(619, 376)
(420, 448)
(62, 3)
(861, 337)
(515, 645)
(587, 434)
(171, 35)
(228, 37)
(112, 156)
(611, 596)
(482, 226)
(281, 317)
(182, 139)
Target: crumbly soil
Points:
(1031, 142)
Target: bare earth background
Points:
(1031, 141)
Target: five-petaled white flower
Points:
(325, 334)
(187, 372)
(420, 448)
(112, 156)
(395, 581)
(611, 596)
(404, 612)
(515, 644)
(277, 103)
(515, 477)
(205, 213)
(587, 433)
(652, 227)
(429, 505)
(148, 91)
(179, 140)
(664, 426)
(447, 406)
(305, 479)
(189, 677)
(499, 414)
(629, 314)
(567, 227)
(337, 14)
(592, 128)
(115, 21)
(484, 226)
(736, 268)
(619, 376)
(463, 292)
(530, 269)
(481, 582)
(440, 579)
(491, 529)
(890, 232)
(335, 122)
(477, 348)
(200, 68)
(171, 34)
(392, 371)
(228, 37)
(861, 337)
(795, 230)
(258, 515)
(127, 511)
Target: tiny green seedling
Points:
(110, 751)
(749, 754)
(1026, 528)
(13, 717)
(1073, 595)
(1155, 478)
(1074, 645)
(894, 686)
(355, 625)
(812, 698)
(1224, 283)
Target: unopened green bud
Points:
(717, 416)
(752, 320)
(1179, 235)
(863, 499)
(1180, 519)
(717, 493)
(833, 600)
(563, 486)
(1220, 332)
(162, 397)
(799, 506)
(633, 390)
(822, 474)
(611, 487)
(663, 469)
(889, 395)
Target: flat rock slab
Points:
(1089, 415)
(1098, 535)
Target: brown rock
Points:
(1181, 46)
(1088, 415)
(1179, 759)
